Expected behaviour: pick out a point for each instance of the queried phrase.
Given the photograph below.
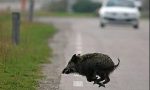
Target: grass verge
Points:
(144, 14)
(19, 65)
(65, 14)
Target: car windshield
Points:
(121, 3)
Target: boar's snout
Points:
(67, 71)
(64, 71)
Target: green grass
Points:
(20, 64)
(64, 14)
(145, 14)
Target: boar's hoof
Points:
(97, 81)
(100, 84)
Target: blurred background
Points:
(49, 32)
(83, 6)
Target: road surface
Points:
(130, 45)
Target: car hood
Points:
(118, 10)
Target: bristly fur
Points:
(91, 65)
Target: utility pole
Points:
(16, 27)
(31, 10)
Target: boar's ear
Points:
(74, 58)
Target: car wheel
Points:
(102, 25)
(136, 26)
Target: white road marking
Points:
(78, 43)
(78, 83)
(76, 75)
(78, 51)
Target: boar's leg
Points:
(91, 77)
(107, 79)
(101, 75)
(97, 81)
(101, 84)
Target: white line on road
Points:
(78, 51)
(78, 83)
(78, 43)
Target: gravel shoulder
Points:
(52, 70)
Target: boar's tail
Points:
(117, 63)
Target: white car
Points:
(138, 4)
(119, 11)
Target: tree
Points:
(86, 6)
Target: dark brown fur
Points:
(91, 65)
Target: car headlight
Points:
(136, 15)
(105, 14)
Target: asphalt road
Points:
(130, 45)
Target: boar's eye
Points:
(72, 70)
(68, 71)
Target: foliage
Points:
(56, 6)
(64, 14)
(86, 6)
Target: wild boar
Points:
(92, 65)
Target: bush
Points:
(85, 6)
(56, 6)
